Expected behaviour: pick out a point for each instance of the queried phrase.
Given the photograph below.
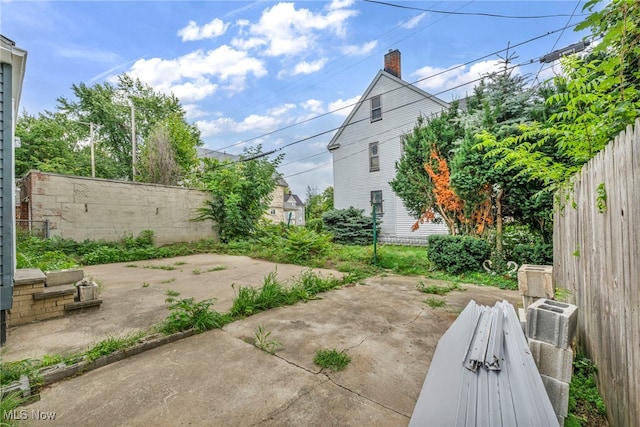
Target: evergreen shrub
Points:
(349, 226)
(458, 254)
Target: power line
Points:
(490, 15)
(392, 90)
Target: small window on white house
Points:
(273, 211)
(376, 200)
(376, 108)
(374, 157)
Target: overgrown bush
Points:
(303, 244)
(186, 314)
(458, 254)
(540, 254)
(349, 226)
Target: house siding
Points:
(353, 183)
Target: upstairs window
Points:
(376, 200)
(374, 157)
(376, 109)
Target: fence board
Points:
(603, 280)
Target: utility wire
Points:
(490, 15)
(398, 88)
(559, 37)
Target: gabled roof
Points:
(333, 144)
(296, 199)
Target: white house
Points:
(368, 144)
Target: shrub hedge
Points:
(458, 254)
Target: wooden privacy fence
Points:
(596, 239)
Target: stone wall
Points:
(82, 208)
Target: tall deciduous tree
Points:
(117, 108)
(240, 193)
(595, 98)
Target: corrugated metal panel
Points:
(482, 374)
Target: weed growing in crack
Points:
(436, 289)
(264, 342)
(332, 359)
(435, 302)
(188, 314)
(111, 344)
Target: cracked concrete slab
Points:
(220, 378)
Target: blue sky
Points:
(256, 72)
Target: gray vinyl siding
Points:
(353, 182)
(6, 199)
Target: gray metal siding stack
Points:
(483, 374)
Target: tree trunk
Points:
(499, 220)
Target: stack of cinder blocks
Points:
(550, 327)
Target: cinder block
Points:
(527, 301)
(522, 315)
(536, 280)
(64, 277)
(561, 420)
(87, 292)
(552, 361)
(552, 322)
(558, 392)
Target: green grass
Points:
(111, 344)
(436, 289)
(332, 359)
(164, 282)
(264, 341)
(585, 404)
(8, 404)
(161, 267)
(435, 302)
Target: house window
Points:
(376, 109)
(376, 200)
(374, 157)
(273, 211)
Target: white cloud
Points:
(305, 67)
(343, 107)
(194, 91)
(286, 30)
(314, 105)
(359, 50)
(413, 22)
(211, 30)
(281, 109)
(191, 75)
(193, 111)
(457, 81)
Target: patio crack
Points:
(283, 408)
(347, 389)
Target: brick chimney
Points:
(392, 63)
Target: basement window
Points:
(376, 108)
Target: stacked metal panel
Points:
(483, 374)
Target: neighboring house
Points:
(12, 67)
(294, 209)
(368, 144)
(276, 213)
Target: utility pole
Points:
(93, 155)
(133, 142)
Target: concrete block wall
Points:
(82, 208)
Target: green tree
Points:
(110, 107)
(411, 182)
(240, 192)
(594, 99)
(50, 142)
